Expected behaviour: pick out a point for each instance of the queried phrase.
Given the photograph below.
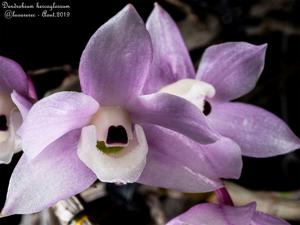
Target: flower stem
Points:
(223, 197)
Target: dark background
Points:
(47, 42)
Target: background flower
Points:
(213, 214)
(16, 91)
(226, 72)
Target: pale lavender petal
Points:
(22, 103)
(7, 151)
(225, 157)
(16, 121)
(171, 60)
(12, 77)
(211, 214)
(258, 132)
(54, 116)
(124, 167)
(233, 68)
(31, 89)
(265, 219)
(115, 62)
(174, 113)
(195, 167)
(56, 174)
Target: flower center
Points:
(114, 130)
(195, 91)
(117, 135)
(3, 123)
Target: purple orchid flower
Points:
(225, 214)
(114, 133)
(214, 214)
(226, 72)
(15, 89)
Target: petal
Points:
(264, 219)
(31, 89)
(7, 151)
(22, 103)
(16, 122)
(258, 132)
(12, 144)
(12, 77)
(55, 174)
(174, 113)
(215, 215)
(232, 68)
(195, 167)
(54, 116)
(123, 167)
(115, 62)
(225, 157)
(171, 60)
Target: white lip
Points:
(4, 136)
(194, 91)
(125, 166)
(111, 116)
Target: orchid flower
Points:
(225, 213)
(226, 72)
(213, 214)
(114, 133)
(15, 89)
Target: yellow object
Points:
(82, 220)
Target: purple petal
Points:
(171, 60)
(12, 77)
(55, 174)
(115, 62)
(216, 215)
(31, 89)
(174, 113)
(232, 68)
(195, 167)
(225, 158)
(22, 103)
(258, 132)
(264, 219)
(54, 116)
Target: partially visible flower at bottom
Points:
(213, 214)
(16, 96)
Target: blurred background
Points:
(49, 50)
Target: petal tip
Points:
(5, 212)
(263, 48)
(129, 9)
(159, 11)
(157, 7)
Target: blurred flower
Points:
(16, 90)
(226, 72)
(212, 214)
(129, 137)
